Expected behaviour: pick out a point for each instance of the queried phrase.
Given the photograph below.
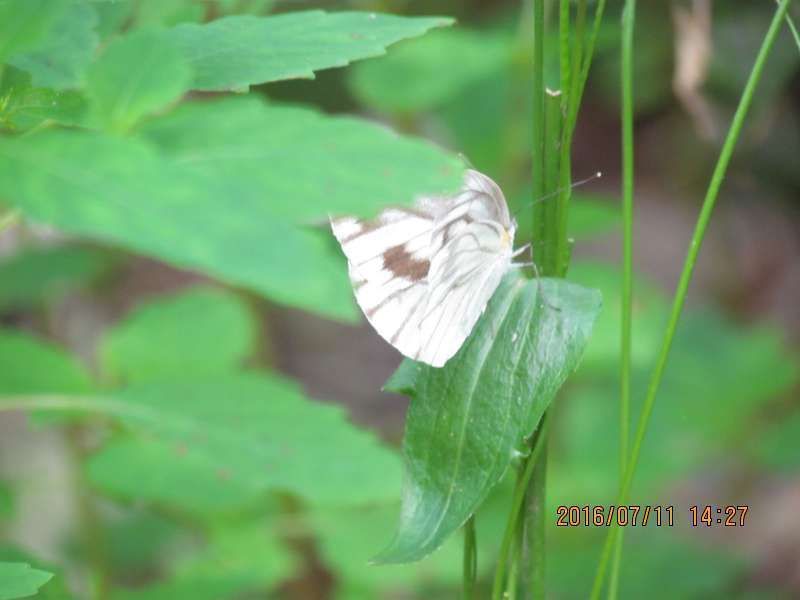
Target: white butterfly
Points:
(424, 275)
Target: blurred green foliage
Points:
(211, 475)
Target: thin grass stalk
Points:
(470, 559)
(792, 28)
(686, 276)
(628, 21)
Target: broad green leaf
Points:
(167, 12)
(150, 470)
(24, 24)
(239, 51)
(424, 73)
(136, 75)
(19, 580)
(42, 275)
(60, 61)
(303, 165)
(192, 333)
(259, 432)
(468, 420)
(125, 191)
(234, 194)
(23, 106)
(32, 366)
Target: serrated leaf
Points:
(150, 470)
(24, 24)
(23, 106)
(422, 74)
(235, 52)
(136, 75)
(258, 431)
(467, 420)
(192, 333)
(37, 276)
(209, 204)
(32, 366)
(302, 164)
(19, 580)
(60, 61)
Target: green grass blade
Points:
(628, 20)
(686, 276)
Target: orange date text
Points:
(630, 515)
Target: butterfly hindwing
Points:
(423, 276)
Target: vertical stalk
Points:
(686, 277)
(628, 20)
(470, 564)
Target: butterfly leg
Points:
(521, 250)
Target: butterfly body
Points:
(424, 275)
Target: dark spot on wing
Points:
(400, 262)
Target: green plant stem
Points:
(792, 28)
(686, 276)
(517, 501)
(537, 108)
(535, 527)
(628, 21)
(470, 564)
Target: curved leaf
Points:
(19, 580)
(469, 419)
(239, 51)
(136, 75)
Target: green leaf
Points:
(232, 196)
(61, 61)
(137, 74)
(238, 51)
(164, 337)
(32, 366)
(125, 191)
(245, 429)
(150, 470)
(468, 420)
(304, 165)
(23, 106)
(425, 73)
(24, 24)
(19, 580)
(42, 275)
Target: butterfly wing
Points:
(388, 260)
(423, 276)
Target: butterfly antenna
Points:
(556, 192)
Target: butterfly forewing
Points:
(423, 276)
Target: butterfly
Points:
(424, 275)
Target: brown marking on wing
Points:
(400, 262)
